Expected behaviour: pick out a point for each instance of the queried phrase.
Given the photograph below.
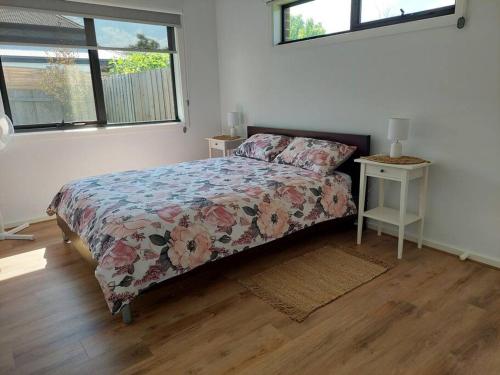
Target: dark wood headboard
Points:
(362, 142)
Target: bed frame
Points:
(362, 142)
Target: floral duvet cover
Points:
(147, 226)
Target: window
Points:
(60, 72)
(138, 86)
(128, 35)
(372, 10)
(136, 71)
(315, 18)
(307, 19)
(48, 86)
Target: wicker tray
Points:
(225, 138)
(401, 160)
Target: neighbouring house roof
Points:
(25, 17)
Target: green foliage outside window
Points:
(300, 28)
(136, 62)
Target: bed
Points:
(139, 228)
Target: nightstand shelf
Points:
(403, 174)
(390, 215)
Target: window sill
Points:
(105, 130)
(428, 23)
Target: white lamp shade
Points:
(398, 129)
(233, 119)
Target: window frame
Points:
(97, 89)
(355, 21)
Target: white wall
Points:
(446, 80)
(36, 165)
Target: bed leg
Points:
(65, 237)
(127, 314)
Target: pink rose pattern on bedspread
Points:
(147, 226)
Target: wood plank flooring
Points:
(430, 314)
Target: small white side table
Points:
(223, 145)
(395, 172)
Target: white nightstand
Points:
(395, 172)
(223, 145)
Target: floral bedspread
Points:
(150, 225)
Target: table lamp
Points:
(398, 131)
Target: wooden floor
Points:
(430, 314)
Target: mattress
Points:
(146, 226)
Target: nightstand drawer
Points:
(218, 145)
(385, 172)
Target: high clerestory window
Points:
(308, 19)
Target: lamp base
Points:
(396, 150)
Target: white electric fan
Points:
(6, 132)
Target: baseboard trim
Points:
(463, 254)
(40, 219)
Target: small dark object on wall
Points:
(461, 23)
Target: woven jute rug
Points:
(302, 285)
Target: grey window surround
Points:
(33, 32)
(74, 37)
(96, 11)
